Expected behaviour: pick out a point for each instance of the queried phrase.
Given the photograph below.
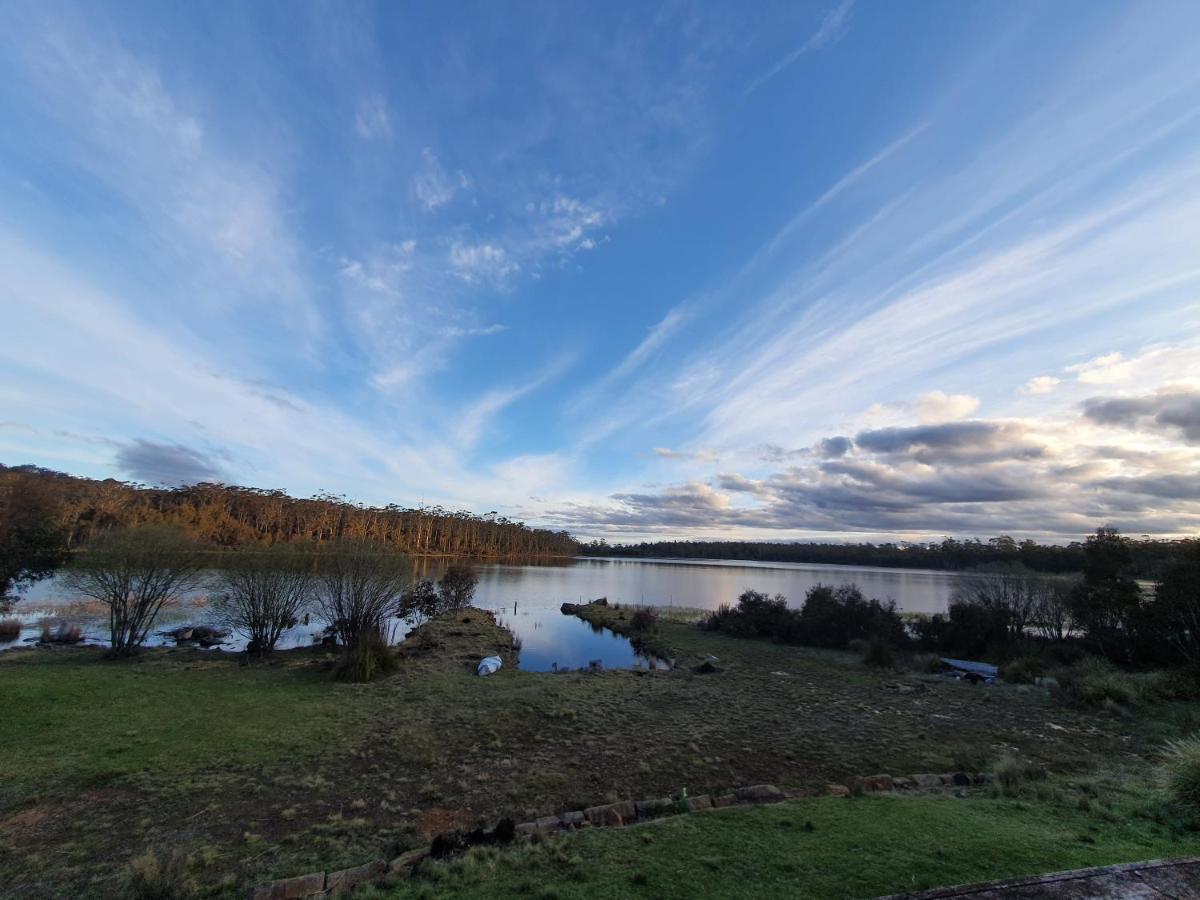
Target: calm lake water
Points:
(526, 599)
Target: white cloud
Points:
(831, 28)
(938, 406)
(476, 262)
(698, 455)
(434, 186)
(371, 119)
(1040, 384)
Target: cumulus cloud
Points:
(832, 447)
(938, 406)
(976, 441)
(1109, 368)
(167, 464)
(1041, 384)
(1168, 410)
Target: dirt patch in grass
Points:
(432, 822)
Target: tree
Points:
(1052, 616)
(1107, 604)
(457, 586)
(33, 543)
(358, 587)
(135, 571)
(1176, 608)
(261, 594)
(420, 601)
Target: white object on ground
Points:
(489, 665)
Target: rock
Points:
(650, 809)
(900, 783)
(290, 888)
(837, 790)
(696, 804)
(876, 783)
(947, 779)
(336, 882)
(903, 687)
(408, 859)
(572, 819)
(548, 823)
(759, 793)
(983, 778)
(1049, 682)
(961, 779)
(928, 782)
(705, 668)
(724, 800)
(626, 809)
(527, 828)
(611, 818)
(613, 814)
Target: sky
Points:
(835, 270)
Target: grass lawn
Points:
(827, 847)
(272, 771)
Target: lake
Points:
(526, 599)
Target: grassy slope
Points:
(273, 771)
(855, 848)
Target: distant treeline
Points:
(1148, 556)
(228, 516)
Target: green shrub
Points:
(879, 654)
(367, 659)
(1181, 768)
(643, 620)
(929, 663)
(1023, 670)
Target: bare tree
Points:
(1052, 615)
(359, 586)
(134, 572)
(1020, 600)
(261, 594)
(457, 586)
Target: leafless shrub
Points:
(358, 588)
(134, 571)
(263, 594)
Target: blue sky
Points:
(836, 269)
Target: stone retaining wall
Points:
(625, 812)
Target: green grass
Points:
(78, 717)
(830, 847)
(270, 771)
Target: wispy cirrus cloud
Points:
(831, 28)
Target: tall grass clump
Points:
(151, 878)
(10, 629)
(62, 633)
(366, 659)
(1012, 773)
(1181, 771)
